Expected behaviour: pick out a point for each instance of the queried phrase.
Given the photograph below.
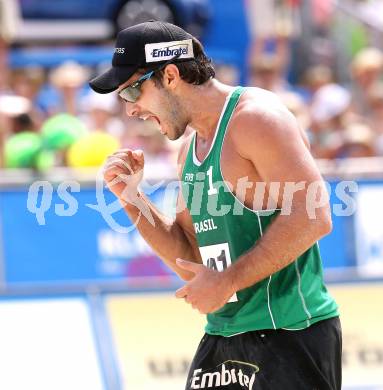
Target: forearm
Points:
(166, 237)
(284, 241)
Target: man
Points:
(271, 323)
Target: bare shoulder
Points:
(263, 108)
(262, 120)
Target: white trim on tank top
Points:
(268, 284)
(195, 159)
(303, 301)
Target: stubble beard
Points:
(177, 117)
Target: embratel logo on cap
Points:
(162, 51)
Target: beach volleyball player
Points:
(255, 270)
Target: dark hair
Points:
(196, 71)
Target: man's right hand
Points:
(123, 172)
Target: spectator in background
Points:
(366, 68)
(322, 12)
(101, 113)
(68, 82)
(16, 114)
(375, 99)
(27, 83)
(273, 24)
(358, 140)
(268, 68)
(316, 77)
(375, 103)
(330, 113)
(20, 142)
(266, 71)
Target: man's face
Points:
(159, 104)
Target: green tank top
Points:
(293, 298)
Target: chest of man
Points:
(239, 173)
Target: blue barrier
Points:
(83, 247)
(80, 247)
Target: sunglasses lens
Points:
(130, 94)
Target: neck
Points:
(204, 104)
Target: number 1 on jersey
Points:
(212, 190)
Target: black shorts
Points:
(308, 359)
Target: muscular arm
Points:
(271, 140)
(170, 239)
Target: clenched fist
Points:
(123, 172)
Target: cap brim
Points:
(110, 80)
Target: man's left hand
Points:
(208, 291)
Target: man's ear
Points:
(171, 76)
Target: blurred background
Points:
(84, 303)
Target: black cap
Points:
(143, 46)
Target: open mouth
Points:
(154, 119)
